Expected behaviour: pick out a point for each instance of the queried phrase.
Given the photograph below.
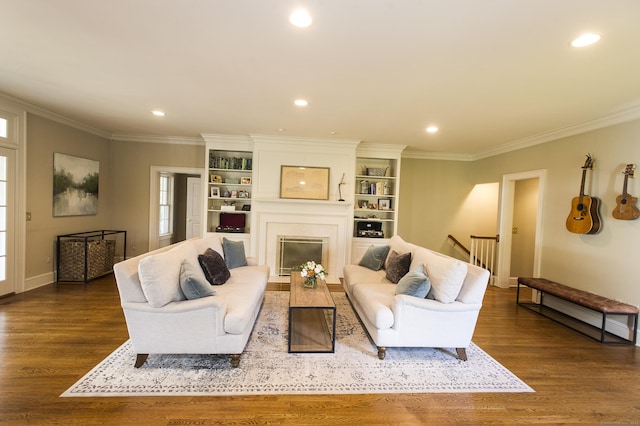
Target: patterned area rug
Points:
(267, 368)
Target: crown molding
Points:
(275, 139)
(618, 117)
(36, 110)
(420, 155)
(176, 140)
(621, 116)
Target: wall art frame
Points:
(75, 185)
(306, 183)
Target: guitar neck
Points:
(584, 177)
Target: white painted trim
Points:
(17, 140)
(36, 110)
(154, 199)
(621, 116)
(32, 283)
(506, 224)
(173, 140)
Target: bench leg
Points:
(382, 352)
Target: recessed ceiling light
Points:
(585, 40)
(300, 18)
(301, 102)
(432, 129)
(158, 113)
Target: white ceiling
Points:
(490, 73)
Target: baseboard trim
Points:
(32, 283)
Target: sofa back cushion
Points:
(160, 274)
(447, 274)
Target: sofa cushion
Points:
(214, 267)
(374, 257)
(243, 294)
(397, 265)
(415, 283)
(234, 253)
(446, 274)
(376, 300)
(193, 283)
(212, 242)
(160, 274)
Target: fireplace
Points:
(292, 251)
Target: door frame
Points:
(505, 221)
(16, 140)
(154, 197)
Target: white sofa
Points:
(218, 324)
(401, 320)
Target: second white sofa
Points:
(445, 318)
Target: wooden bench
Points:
(582, 298)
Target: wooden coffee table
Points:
(312, 317)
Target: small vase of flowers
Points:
(311, 272)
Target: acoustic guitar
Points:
(585, 210)
(626, 203)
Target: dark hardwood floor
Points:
(53, 335)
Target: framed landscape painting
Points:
(75, 185)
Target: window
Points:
(166, 204)
(3, 127)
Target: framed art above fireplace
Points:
(307, 183)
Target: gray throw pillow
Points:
(234, 253)
(415, 283)
(398, 265)
(374, 257)
(214, 267)
(192, 283)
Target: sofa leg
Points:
(235, 360)
(382, 351)
(140, 359)
(462, 353)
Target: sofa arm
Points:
(141, 317)
(181, 306)
(402, 301)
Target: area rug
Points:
(267, 368)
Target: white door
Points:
(194, 207)
(7, 208)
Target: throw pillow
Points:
(214, 267)
(415, 283)
(193, 283)
(398, 266)
(374, 257)
(234, 253)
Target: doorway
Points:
(506, 223)
(7, 217)
(181, 203)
